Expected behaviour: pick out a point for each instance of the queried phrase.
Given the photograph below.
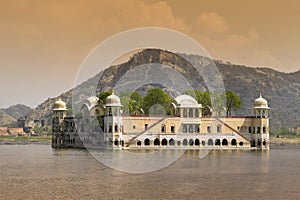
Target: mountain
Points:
(17, 111)
(6, 120)
(44, 110)
(11, 114)
(282, 90)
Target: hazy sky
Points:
(43, 43)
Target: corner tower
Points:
(261, 123)
(260, 107)
(113, 122)
(60, 112)
(60, 109)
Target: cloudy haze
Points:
(43, 43)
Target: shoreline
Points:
(17, 140)
(285, 140)
(23, 140)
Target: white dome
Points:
(113, 100)
(91, 102)
(261, 102)
(186, 101)
(60, 105)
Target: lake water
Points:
(39, 172)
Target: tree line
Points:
(156, 101)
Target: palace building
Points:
(104, 126)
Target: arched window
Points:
(116, 142)
(217, 142)
(184, 128)
(196, 112)
(109, 111)
(264, 129)
(139, 143)
(146, 142)
(197, 129)
(172, 129)
(258, 142)
(252, 143)
(197, 142)
(224, 142)
(233, 142)
(185, 142)
(241, 143)
(164, 142)
(184, 112)
(191, 129)
(191, 142)
(191, 112)
(219, 129)
(156, 142)
(171, 142)
(210, 142)
(258, 129)
(264, 143)
(208, 129)
(163, 128)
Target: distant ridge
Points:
(11, 114)
(282, 90)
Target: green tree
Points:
(205, 101)
(217, 103)
(157, 100)
(38, 129)
(103, 96)
(131, 101)
(233, 102)
(203, 98)
(135, 103)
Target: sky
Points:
(43, 43)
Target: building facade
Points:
(184, 128)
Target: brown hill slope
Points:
(281, 89)
(9, 115)
(6, 119)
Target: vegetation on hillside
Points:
(280, 89)
(216, 103)
(157, 102)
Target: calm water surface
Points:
(39, 172)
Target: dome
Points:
(92, 101)
(60, 105)
(261, 102)
(113, 100)
(186, 101)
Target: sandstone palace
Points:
(104, 126)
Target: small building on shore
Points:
(8, 131)
(104, 126)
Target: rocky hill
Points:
(281, 89)
(6, 120)
(44, 110)
(11, 114)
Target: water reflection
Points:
(137, 161)
(38, 172)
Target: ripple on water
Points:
(39, 172)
